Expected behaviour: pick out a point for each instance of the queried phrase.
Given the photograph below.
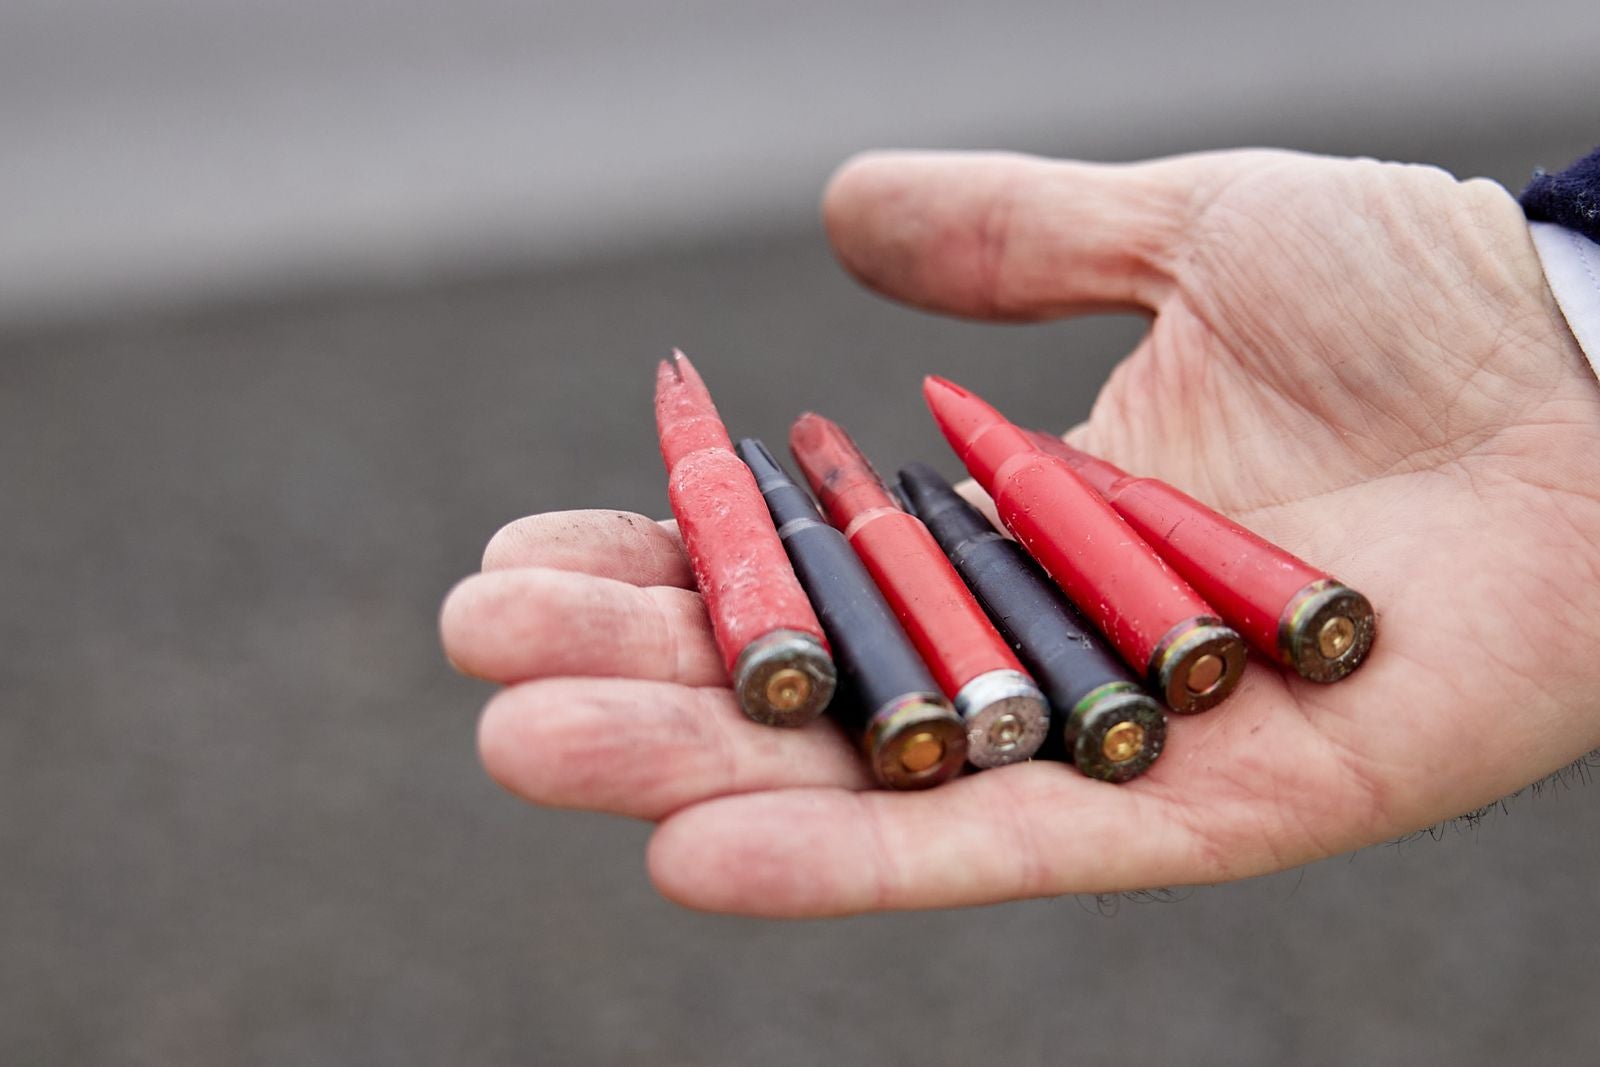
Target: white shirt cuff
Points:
(1572, 267)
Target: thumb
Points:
(1002, 236)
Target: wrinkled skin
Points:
(1361, 361)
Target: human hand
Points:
(1359, 361)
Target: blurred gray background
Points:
(300, 301)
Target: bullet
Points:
(770, 638)
(1101, 718)
(1288, 610)
(1156, 622)
(912, 736)
(1005, 713)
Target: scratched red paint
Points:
(739, 564)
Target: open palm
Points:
(1360, 361)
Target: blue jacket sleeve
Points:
(1569, 198)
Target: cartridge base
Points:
(915, 741)
(784, 678)
(1006, 716)
(1116, 732)
(1197, 664)
(1326, 631)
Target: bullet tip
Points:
(942, 395)
(810, 425)
(942, 392)
(756, 455)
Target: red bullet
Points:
(1287, 609)
(769, 637)
(1154, 619)
(1004, 711)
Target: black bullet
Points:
(1102, 719)
(913, 737)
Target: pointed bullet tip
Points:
(806, 431)
(817, 423)
(933, 383)
(757, 456)
(938, 392)
(682, 368)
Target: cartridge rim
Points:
(1326, 631)
(1094, 717)
(1199, 650)
(784, 678)
(997, 700)
(924, 720)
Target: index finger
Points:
(620, 545)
